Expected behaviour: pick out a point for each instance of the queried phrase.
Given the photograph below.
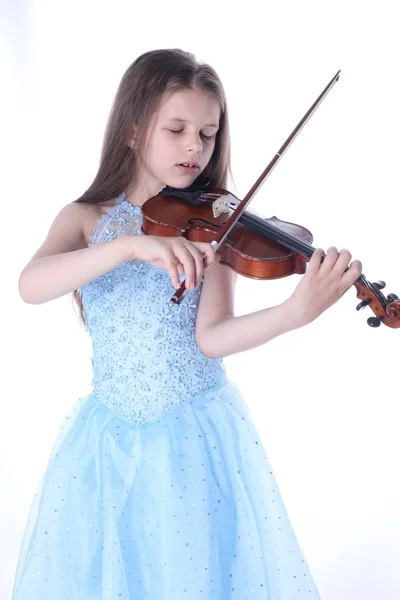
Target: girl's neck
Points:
(135, 197)
(139, 190)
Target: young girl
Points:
(158, 486)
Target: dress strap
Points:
(123, 219)
(120, 199)
(102, 227)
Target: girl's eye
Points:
(206, 137)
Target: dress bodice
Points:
(145, 358)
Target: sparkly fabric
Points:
(145, 358)
(158, 486)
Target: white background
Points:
(325, 397)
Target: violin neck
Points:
(276, 234)
(288, 240)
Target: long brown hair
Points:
(137, 97)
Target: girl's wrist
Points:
(128, 247)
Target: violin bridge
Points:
(221, 206)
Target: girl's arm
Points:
(219, 333)
(64, 263)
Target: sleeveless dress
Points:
(158, 486)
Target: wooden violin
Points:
(250, 244)
(256, 247)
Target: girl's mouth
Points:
(189, 167)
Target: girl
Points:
(158, 486)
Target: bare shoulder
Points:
(71, 228)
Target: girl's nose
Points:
(194, 144)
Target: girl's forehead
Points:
(188, 102)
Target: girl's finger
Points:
(207, 252)
(329, 260)
(185, 256)
(315, 261)
(342, 262)
(352, 274)
(209, 256)
(171, 266)
(199, 263)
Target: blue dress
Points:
(158, 486)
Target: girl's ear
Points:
(132, 137)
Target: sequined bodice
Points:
(145, 358)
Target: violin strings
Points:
(295, 243)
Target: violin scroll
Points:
(386, 309)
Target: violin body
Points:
(255, 246)
(247, 251)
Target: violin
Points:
(251, 245)
(256, 247)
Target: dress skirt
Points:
(186, 507)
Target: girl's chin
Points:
(182, 181)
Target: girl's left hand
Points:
(323, 284)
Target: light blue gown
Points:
(158, 486)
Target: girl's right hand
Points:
(176, 255)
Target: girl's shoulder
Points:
(91, 214)
(72, 227)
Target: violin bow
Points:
(386, 309)
(231, 222)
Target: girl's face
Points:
(180, 140)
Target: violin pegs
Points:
(392, 297)
(363, 304)
(374, 321)
(380, 284)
